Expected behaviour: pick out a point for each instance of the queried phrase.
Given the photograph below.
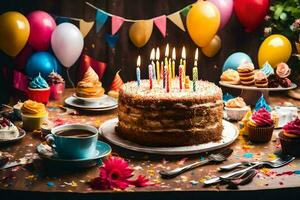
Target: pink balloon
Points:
(41, 27)
(225, 7)
(21, 59)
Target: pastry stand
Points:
(251, 93)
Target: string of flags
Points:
(117, 21)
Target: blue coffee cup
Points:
(73, 147)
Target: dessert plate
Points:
(106, 102)
(22, 133)
(229, 134)
(89, 100)
(244, 87)
(46, 152)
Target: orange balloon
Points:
(14, 32)
(203, 21)
(213, 47)
(140, 32)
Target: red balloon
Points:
(41, 27)
(251, 12)
(21, 59)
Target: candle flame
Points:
(174, 54)
(157, 54)
(196, 55)
(152, 55)
(167, 51)
(183, 53)
(138, 62)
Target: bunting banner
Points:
(176, 19)
(60, 20)
(85, 27)
(161, 24)
(101, 18)
(111, 40)
(116, 23)
(185, 10)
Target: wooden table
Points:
(43, 181)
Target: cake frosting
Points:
(33, 108)
(267, 69)
(54, 78)
(235, 103)
(261, 118)
(176, 118)
(90, 86)
(230, 76)
(292, 129)
(38, 83)
(8, 130)
(283, 70)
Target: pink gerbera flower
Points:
(115, 174)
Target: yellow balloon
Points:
(140, 32)
(14, 32)
(274, 49)
(213, 47)
(203, 21)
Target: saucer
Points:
(47, 153)
(89, 100)
(106, 103)
(22, 133)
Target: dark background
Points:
(125, 53)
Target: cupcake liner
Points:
(57, 90)
(289, 146)
(236, 114)
(31, 123)
(39, 95)
(260, 134)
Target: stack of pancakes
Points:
(246, 72)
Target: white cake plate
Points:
(251, 93)
(229, 135)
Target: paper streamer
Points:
(101, 18)
(116, 23)
(161, 24)
(111, 40)
(176, 19)
(85, 27)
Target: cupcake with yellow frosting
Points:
(33, 115)
(236, 108)
(230, 76)
(90, 86)
(290, 138)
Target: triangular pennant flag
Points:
(116, 23)
(185, 10)
(111, 40)
(85, 27)
(60, 20)
(161, 23)
(101, 18)
(176, 19)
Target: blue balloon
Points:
(235, 59)
(42, 62)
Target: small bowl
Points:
(236, 114)
(31, 123)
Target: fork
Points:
(279, 162)
(212, 158)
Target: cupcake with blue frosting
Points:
(39, 90)
(267, 69)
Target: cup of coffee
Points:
(73, 141)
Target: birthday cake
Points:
(154, 117)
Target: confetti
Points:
(248, 155)
(50, 184)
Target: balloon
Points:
(21, 59)
(225, 7)
(42, 62)
(140, 32)
(67, 43)
(213, 47)
(274, 49)
(244, 8)
(14, 32)
(203, 21)
(41, 27)
(235, 60)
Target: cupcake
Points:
(115, 86)
(246, 73)
(236, 108)
(267, 69)
(273, 81)
(290, 138)
(90, 86)
(261, 80)
(33, 115)
(8, 130)
(39, 90)
(260, 126)
(57, 85)
(230, 76)
(243, 123)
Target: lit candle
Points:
(138, 71)
(183, 56)
(195, 77)
(180, 76)
(166, 54)
(173, 62)
(166, 78)
(152, 57)
(170, 72)
(157, 57)
(150, 76)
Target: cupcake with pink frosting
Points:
(260, 126)
(290, 138)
